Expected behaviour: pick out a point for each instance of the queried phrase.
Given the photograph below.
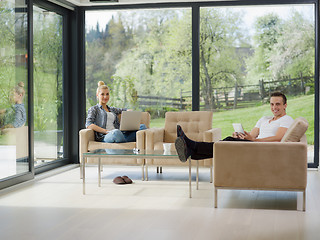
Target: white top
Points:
(111, 118)
(269, 129)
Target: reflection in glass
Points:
(144, 56)
(13, 82)
(48, 119)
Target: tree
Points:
(268, 30)
(104, 49)
(160, 61)
(219, 62)
(293, 54)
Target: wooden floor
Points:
(53, 207)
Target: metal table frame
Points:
(138, 155)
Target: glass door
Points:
(48, 77)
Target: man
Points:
(267, 129)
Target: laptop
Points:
(130, 120)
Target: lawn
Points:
(297, 106)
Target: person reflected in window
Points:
(15, 116)
(104, 121)
(267, 129)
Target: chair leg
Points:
(215, 197)
(160, 169)
(147, 177)
(304, 201)
(157, 169)
(197, 175)
(190, 178)
(211, 174)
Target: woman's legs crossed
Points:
(114, 136)
(130, 136)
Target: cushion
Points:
(296, 130)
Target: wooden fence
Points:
(240, 96)
(237, 96)
(159, 101)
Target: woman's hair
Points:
(20, 88)
(101, 85)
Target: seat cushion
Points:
(296, 130)
(93, 145)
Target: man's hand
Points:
(248, 136)
(235, 135)
(238, 135)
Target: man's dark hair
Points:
(279, 94)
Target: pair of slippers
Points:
(122, 180)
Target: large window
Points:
(13, 92)
(246, 53)
(48, 117)
(143, 55)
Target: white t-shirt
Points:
(269, 129)
(110, 120)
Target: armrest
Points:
(212, 135)
(85, 136)
(153, 135)
(140, 139)
(260, 165)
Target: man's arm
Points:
(249, 136)
(277, 138)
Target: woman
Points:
(104, 121)
(15, 116)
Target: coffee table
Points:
(129, 153)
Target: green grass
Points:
(302, 106)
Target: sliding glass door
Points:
(14, 156)
(48, 85)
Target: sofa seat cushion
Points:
(159, 146)
(296, 130)
(93, 145)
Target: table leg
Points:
(83, 175)
(189, 177)
(99, 171)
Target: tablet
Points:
(238, 127)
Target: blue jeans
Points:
(117, 136)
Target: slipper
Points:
(127, 180)
(119, 180)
